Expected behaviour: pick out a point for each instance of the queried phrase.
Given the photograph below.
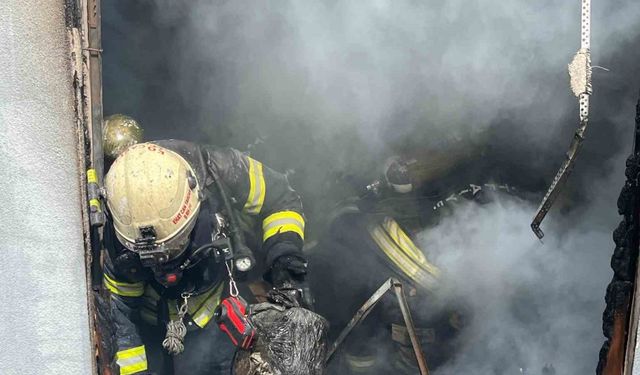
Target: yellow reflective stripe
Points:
(400, 259)
(257, 188)
(406, 244)
(200, 307)
(283, 221)
(399, 237)
(360, 363)
(132, 360)
(92, 176)
(123, 289)
(95, 203)
(283, 228)
(123, 284)
(194, 304)
(282, 215)
(204, 314)
(389, 248)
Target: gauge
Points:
(243, 264)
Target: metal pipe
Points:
(360, 315)
(366, 308)
(411, 329)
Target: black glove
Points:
(288, 275)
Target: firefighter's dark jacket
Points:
(256, 192)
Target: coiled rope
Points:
(173, 342)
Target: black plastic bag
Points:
(290, 340)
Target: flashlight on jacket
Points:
(243, 259)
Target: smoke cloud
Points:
(342, 85)
(532, 304)
(320, 86)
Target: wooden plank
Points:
(615, 356)
(632, 334)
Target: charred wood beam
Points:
(620, 316)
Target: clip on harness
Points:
(580, 80)
(230, 315)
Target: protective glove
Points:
(288, 275)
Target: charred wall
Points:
(623, 262)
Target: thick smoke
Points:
(531, 304)
(382, 67)
(385, 67)
(340, 85)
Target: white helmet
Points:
(152, 194)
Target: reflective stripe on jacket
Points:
(403, 254)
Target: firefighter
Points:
(369, 239)
(168, 201)
(119, 132)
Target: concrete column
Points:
(44, 327)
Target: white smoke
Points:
(335, 84)
(533, 304)
(386, 68)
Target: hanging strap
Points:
(580, 81)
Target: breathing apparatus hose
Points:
(239, 248)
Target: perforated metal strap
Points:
(580, 82)
(580, 66)
(585, 45)
(586, 24)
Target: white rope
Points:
(174, 340)
(176, 330)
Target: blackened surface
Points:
(104, 325)
(72, 13)
(625, 255)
